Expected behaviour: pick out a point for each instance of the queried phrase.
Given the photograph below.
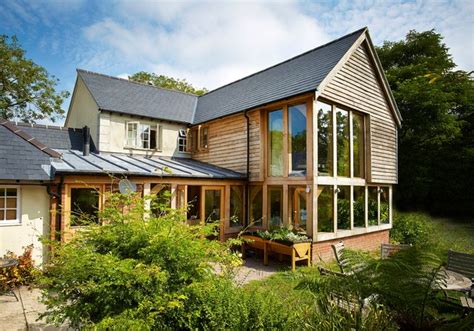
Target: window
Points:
(275, 206)
(144, 136)
(372, 207)
(212, 205)
(193, 140)
(275, 129)
(342, 147)
(297, 201)
(236, 206)
(84, 206)
(343, 207)
(194, 203)
(325, 144)
(384, 205)
(349, 131)
(297, 136)
(256, 205)
(162, 202)
(203, 138)
(182, 141)
(359, 206)
(9, 205)
(325, 209)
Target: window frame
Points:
(68, 210)
(158, 128)
(183, 141)
(16, 221)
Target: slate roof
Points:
(123, 96)
(298, 75)
(139, 165)
(20, 159)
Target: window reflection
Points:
(359, 206)
(358, 144)
(325, 167)
(325, 209)
(373, 206)
(275, 128)
(343, 208)
(275, 206)
(384, 205)
(256, 205)
(297, 206)
(297, 136)
(343, 148)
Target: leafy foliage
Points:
(27, 91)
(22, 274)
(411, 229)
(166, 82)
(436, 141)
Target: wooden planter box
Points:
(297, 251)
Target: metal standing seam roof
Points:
(74, 162)
(124, 96)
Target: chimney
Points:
(86, 140)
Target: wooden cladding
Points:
(356, 85)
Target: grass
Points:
(454, 234)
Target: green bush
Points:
(155, 274)
(411, 228)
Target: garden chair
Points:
(344, 263)
(387, 250)
(461, 263)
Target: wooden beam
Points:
(285, 216)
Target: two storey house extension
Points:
(309, 143)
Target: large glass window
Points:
(212, 205)
(275, 129)
(343, 207)
(384, 205)
(8, 205)
(358, 145)
(297, 138)
(236, 206)
(343, 148)
(275, 206)
(297, 206)
(372, 207)
(194, 203)
(325, 209)
(84, 206)
(256, 205)
(324, 139)
(359, 206)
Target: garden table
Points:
(9, 263)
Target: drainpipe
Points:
(86, 143)
(248, 169)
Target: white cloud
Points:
(212, 43)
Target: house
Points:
(310, 142)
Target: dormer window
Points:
(143, 136)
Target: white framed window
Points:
(182, 140)
(144, 136)
(9, 205)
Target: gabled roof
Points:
(123, 96)
(304, 73)
(297, 75)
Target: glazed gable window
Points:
(287, 141)
(143, 136)
(9, 205)
(341, 142)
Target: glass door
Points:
(213, 204)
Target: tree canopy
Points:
(436, 141)
(27, 91)
(166, 82)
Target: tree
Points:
(436, 144)
(166, 82)
(27, 91)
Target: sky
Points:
(211, 43)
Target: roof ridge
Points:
(46, 126)
(133, 82)
(28, 138)
(288, 60)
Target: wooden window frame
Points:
(201, 130)
(158, 128)
(67, 205)
(17, 220)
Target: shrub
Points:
(411, 228)
(22, 274)
(153, 274)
